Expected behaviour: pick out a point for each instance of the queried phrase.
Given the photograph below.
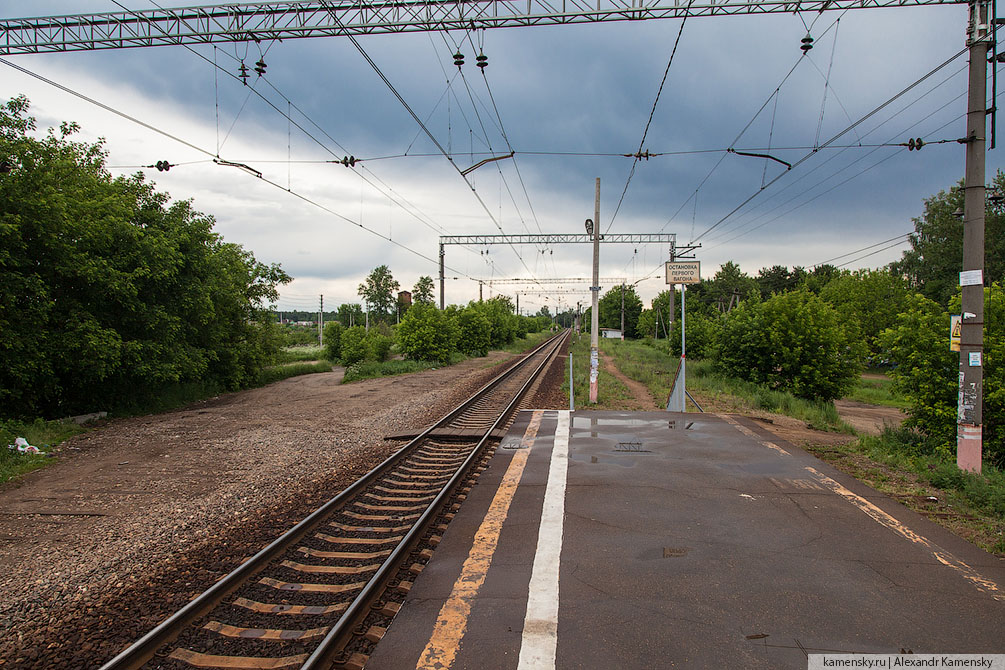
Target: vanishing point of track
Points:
(323, 593)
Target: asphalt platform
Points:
(613, 540)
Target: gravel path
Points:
(141, 515)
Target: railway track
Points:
(323, 593)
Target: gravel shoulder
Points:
(142, 514)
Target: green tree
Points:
(609, 307)
(427, 334)
(871, 299)
(350, 314)
(333, 340)
(933, 263)
(110, 291)
(423, 291)
(793, 342)
(354, 345)
(926, 372)
(474, 331)
(729, 286)
(776, 279)
(379, 290)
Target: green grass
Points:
(611, 393)
(43, 434)
(655, 368)
(299, 354)
(975, 503)
(877, 392)
(277, 372)
(373, 369)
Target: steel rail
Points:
(144, 649)
(336, 638)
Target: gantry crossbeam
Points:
(261, 21)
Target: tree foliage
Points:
(933, 263)
(609, 307)
(426, 333)
(474, 331)
(333, 340)
(423, 291)
(379, 290)
(794, 342)
(109, 291)
(871, 299)
(926, 372)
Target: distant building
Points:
(405, 298)
(611, 333)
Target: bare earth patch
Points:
(641, 399)
(142, 514)
(869, 419)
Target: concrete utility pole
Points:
(441, 275)
(321, 323)
(969, 430)
(595, 290)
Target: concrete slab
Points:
(718, 546)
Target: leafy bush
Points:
(108, 287)
(473, 332)
(378, 346)
(426, 334)
(333, 340)
(926, 373)
(794, 342)
(354, 347)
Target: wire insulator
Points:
(481, 60)
(458, 59)
(260, 67)
(807, 43)
(162, 166)
(244, 73)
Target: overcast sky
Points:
(559, 91)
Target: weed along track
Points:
(323, 593)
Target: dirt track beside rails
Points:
(141, 515)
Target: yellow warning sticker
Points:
(955, 332)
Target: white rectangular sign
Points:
(971, 278)
(684, 272)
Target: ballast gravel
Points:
(139, 516)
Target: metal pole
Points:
(518, 302)
(441, 275)
(480, 285)
(572, 390)
(683, 350)
(595, 290)
(969, 433)
(321, 323)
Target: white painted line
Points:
(540, 626)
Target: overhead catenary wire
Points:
(910, 128)
(649, 121)
(210, 153)
(902, 236)
(833, 139)
(253, 90)
(425, 129)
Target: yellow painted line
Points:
(754, 436)
(452, 621)
(942, 556)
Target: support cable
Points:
(652, 113)
(833, 139)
